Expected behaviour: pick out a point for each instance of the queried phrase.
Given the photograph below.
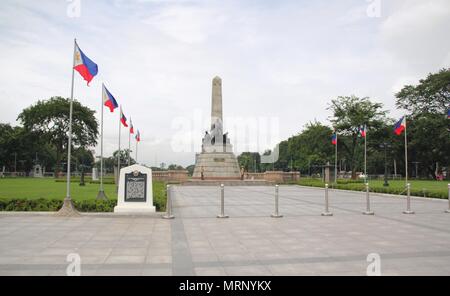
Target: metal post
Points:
(276, 214)
(368, 211)
(222, 201)
(168, 214)
(448, 211)
(408, 200)
(327, 212)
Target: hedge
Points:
(350, 185)
(44, 205)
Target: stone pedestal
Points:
(135, 193)
(216, 166)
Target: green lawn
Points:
(48, 188)
(438, 189)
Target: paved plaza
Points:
(250, 242)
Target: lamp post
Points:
(385, 146)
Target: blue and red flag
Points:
(363, 131)
(108, 100)
(138, 136)
(334, 139)
(84, 65)
(400, 126)
(448, 114)
(123, 119)
(131, 127)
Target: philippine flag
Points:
(108, 100)
(85, 66)
(448, 114)
(131, 127)
(363, 130)
(123, 119)
(400, 126)
(138, 136)
(334, 139)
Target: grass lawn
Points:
(48, 188)
(425, 188)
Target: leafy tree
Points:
(174, 167)
(431, 95)
(349, 114)
(428, 127)
(50, 120)
(250, 161)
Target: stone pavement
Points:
(250, 242)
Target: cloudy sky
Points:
(281, 62)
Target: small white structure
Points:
(135, 190)
(37, 171)
(94, 174)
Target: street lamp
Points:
(385, 146)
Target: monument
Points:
(135, 193)
(217, 160)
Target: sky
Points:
(281, 63)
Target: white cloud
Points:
(284, 59)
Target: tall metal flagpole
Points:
(129, 144)
(335, 159)
(406, 154)
(68, 207)
(136, 151)
(118, 154)
(365, 154)
(101, 193)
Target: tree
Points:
(27, 147)
(250, 161)
(431, 95)
(427, 104)
(349, 114)
(50, 120)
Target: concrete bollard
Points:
(168, 214)
(448, 211)
(276, 214)
(222, 202)
(408, 200)
(368, 211)
(327, 212)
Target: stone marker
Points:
(94, 174)
(135, 193)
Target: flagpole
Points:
(335, 160)
(406, 154)
(136, 151)
(101, 194)
(118, 154)
(365, 154)
(129, 144)
(68, 207)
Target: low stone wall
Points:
(170, 176)
(274, 176)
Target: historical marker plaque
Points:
(135, 187)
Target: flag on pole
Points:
(131, 127)
(334, 139)
(85, 66)
(108, 100)
(448, 114)
(400, 126)
(363, 131)
(123, 119)
(138, 136)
